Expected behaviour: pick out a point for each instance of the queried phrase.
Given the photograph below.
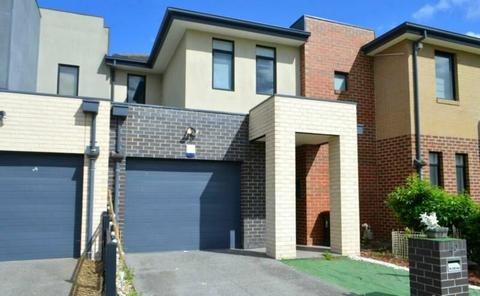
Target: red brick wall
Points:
(336, 47)
(313, 197)
(395, 163)
(449, 146)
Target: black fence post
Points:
(109, 256)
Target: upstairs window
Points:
(67, 83)
(136, 89)
(340, 81)
(445, 75)
(435, 166)
(266, 70)
(223, 76)
(461, 170)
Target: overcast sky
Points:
(134, 23)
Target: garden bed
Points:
(89, 279)
(387, 256)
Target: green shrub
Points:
(418, 196)
(471, 232)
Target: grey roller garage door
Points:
(40, 205)
(181, 205)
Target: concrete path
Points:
(49, 277)
(229, 273)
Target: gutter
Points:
(92, 152)
(418, 162)
(119, 112)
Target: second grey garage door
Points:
(181, 205)
(40, 205)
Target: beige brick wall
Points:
(279, 119)
(52, 124)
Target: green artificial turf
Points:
(359, 277)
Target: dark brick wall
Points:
(156, 132)
(428, 260)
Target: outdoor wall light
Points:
(3, 115)
(189, 135)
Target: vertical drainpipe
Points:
(112, 84)
(418, 162)
(92, 152)
(120, 112)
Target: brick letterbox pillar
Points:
(438, 266)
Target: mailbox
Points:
(454, 265)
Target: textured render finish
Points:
(174, 78)
(58, 125)
(153, 95)
(23, 43)
(278, 120)
(199, 92)
(393, 105)
(5, 30)
(73, 39)
(155, 132)
(19, 31)
(447, 120)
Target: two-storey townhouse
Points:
(228, 134)
(198, 139)
(427, 113)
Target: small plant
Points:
(367, 232)
(430, 221)
(327, 256)
(128, 274)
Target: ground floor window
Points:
(461, 170)
(435, 165)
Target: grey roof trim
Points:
(112, 61)
(417, 29)
(205, 18)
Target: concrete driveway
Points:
(49, 277)
(221, 273)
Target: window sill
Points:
(340, 92)
(223, 89)
(448, 102)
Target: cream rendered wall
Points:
(174, 78)
(153, 90)
(199, 91)
(447, 118)
(393, 101)
(68, 38)
(57, 125)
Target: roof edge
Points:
(413, 28)
(206, 18)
